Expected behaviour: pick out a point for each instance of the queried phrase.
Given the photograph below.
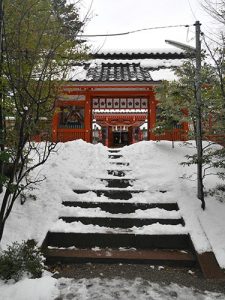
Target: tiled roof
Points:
(142, 54)
(125, 66)
(118, 72)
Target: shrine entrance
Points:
(113, 116)
(112, 99)
(120, 139)
(119, 121)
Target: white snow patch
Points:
(78, 227)
(142, 50)
(77, 73)
(121, 289)
(47, 288)
(155, 165)
(30, 289)
(163, 74)
(75, 165)
(152, 213)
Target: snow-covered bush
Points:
(218, 192)
(21, 259)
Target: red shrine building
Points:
(112, 99)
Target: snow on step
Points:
(118, 167)
(104, 188)
(119, 160)
(106, 177)
(154, 229)
(112, 177)
(144, 197)
(115, 169)
(151, 213)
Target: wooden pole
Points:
(2, 148)
(200, 191)
(88, 118)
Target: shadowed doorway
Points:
(120, 139)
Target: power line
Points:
(211, 39)
(132, 31)
(192, 11)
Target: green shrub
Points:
(21, 259)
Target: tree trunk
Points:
(2, 225)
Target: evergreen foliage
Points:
(177, 103)
(177, 98)
(39, 45)
(21, 259)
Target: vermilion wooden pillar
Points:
(110, 136)
(133, 133)
(185, 126)
(88, 118)
(130, 135)
(186, 130)
(55, 122)
(151, 115)
(107, 136)
(149, 119)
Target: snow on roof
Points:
(78, 73)
(145, 63)
(164, 63)
(142, 51)
(104, 72)
(163, 74)
(131, 65)
(109, 70)
(141, 54)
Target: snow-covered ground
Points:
(79, 165)
(48, 288)
(73, 165)
(157, 166)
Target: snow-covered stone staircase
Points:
(122, 226)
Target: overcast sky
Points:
(112, 16)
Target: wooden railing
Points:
(71, 125)
(66, 134)
(219, 139)
(174, 135)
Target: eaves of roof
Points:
(117, 83)
(140, 55)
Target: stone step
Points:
(114, 150)
(119, 163)
(119, 173)
(156, 257)
(112, 194)
(118, 183)
(116, 240)
(121, 207)
(115, 156)
(121, 222)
